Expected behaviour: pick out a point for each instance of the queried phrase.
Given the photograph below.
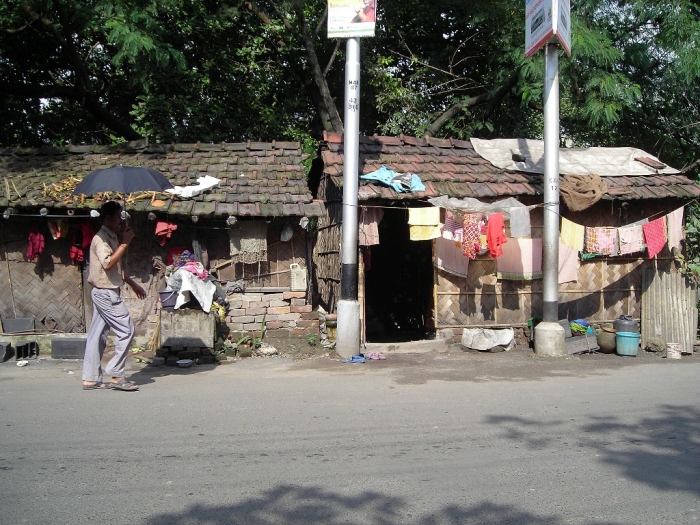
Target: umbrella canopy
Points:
(122, 179)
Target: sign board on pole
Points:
(547, 21)
(351, 18)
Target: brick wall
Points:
(285, 313)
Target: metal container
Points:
(626, 323)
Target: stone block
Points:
(258, 304)
(272, 325)
(187, 328)
(278, 310)
(289, 317)
(171, 360)
(238, 313)
(244, 319)
(189, 354)
(158, 361)
(307, 322)
(277, 303)
(274, 297)
(298, 302)
(256, 311)
(310, 315)
(294, 295)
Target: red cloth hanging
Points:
(164, 230)
(496, 234)
(36, 243)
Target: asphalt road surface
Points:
(438, 438)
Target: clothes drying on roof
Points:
(203, 184)
(400, 182)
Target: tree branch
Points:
(454, 110)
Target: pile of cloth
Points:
(191, 280)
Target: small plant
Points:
(312, 339)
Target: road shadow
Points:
(658, 451)
(313, 505)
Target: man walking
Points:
(108, 310)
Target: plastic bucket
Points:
(627, 343)
(673, 350)
(168, 298)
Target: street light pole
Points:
(348, 332)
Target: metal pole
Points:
(348, 338)
(549, 336)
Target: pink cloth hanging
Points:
(655, 236)
(370, 218)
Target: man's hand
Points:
(128, 235)
(140, 292)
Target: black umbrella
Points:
(123, 179)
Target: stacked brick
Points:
(284, 313)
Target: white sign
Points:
(351, 18)
(547, 21)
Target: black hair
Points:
(110, 208)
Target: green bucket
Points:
(627, 343)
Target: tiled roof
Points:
(257, 178)
(452, 167)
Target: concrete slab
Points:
(410, 347)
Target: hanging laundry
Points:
(521, 260)
(601, 240)
(58, 229)
(568, 264)
(572, 234)
(164, 230)
(453, 229)
(674, 221)
(496, 234)
(248, 242)
(472, 232)
(424, 223)
(631, 239)
(449, 257)
(520, 221)
(655, 236)
(36, 243)
(87, 232)
(370, 218)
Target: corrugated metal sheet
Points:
(669, 308)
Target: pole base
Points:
(549, 340)
(347, 342)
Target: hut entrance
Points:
(398, 285)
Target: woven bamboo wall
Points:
(49, 287)
(326, 256)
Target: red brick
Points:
(303, 324)
(245, 319)
(298, 302)
(273, 296)
(237, 313)
(307, 308)
(256, 311)
(294, 295)
(273, 325)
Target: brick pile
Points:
(284, 313)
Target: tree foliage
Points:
(101, 71)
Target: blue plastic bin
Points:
(627, 343)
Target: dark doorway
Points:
(398, 284)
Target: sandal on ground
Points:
(97, 385)
(125, 386)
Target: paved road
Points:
(418, 439)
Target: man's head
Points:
(111, 213)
